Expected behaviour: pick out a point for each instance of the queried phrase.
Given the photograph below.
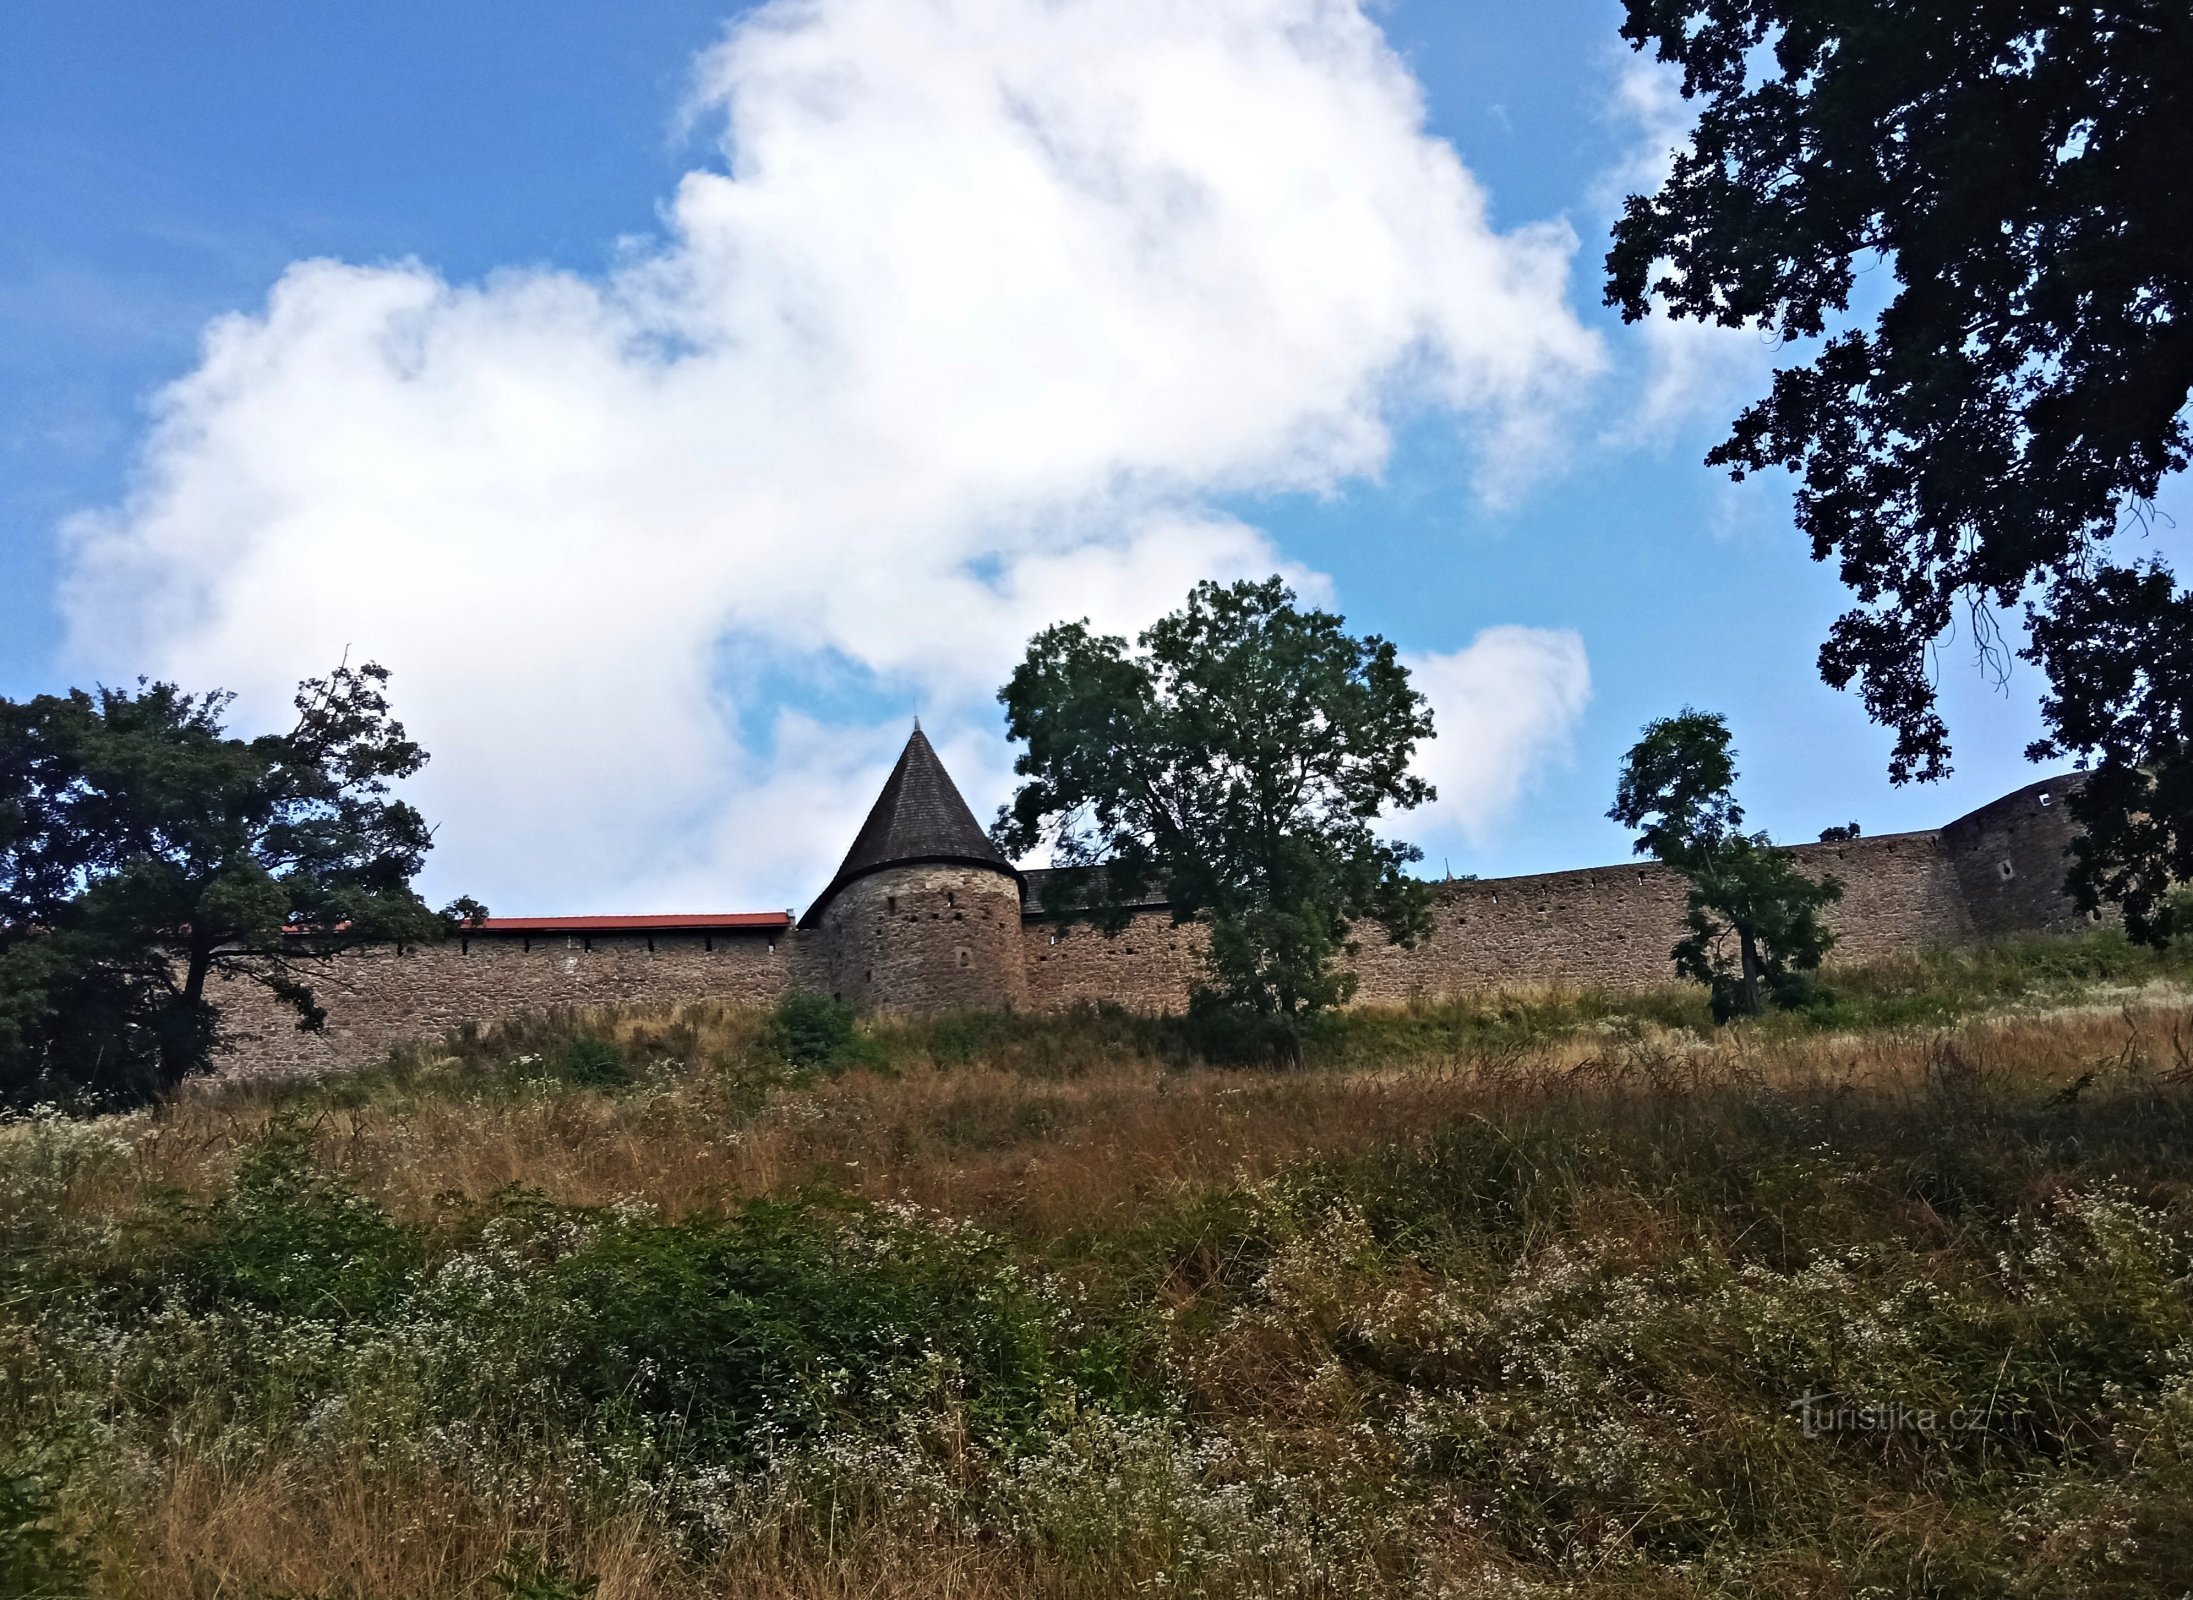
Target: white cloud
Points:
(1691, 372)
(1694, 373)
(989, 302)
(1504, 706)
(1648, 101)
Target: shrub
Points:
(813, 1030)
(1228, 1035)
(788, 1318)
(35, 1562)
(297, 1241)
(593, 1063)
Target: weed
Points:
(296, 1241)
(526, 1574)
(814, 1031)
(1531, 1295)
(36, 1562)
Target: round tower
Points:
(2012, 855)
(924, 915)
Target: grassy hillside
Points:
(1521, 1298)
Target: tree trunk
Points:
(178, 1053)
(194, 975)
(1752, 1004)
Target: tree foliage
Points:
(1236, 759)
(144, 853)
(2023, 170)
(2122, 647)
(1678, 791)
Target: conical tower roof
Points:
(918, 817)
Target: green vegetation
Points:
(815, 1030)
(1546, 1295)
(2004, 180)
(1239, 757)
(1678, 790)
(144, 851)
(35, 1562)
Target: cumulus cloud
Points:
(1690, 372)
(1648, 104)
(986, 305)
(1504, 706)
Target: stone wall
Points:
(1603, 927)
(928, 937)
(1146, 968)
(938, 937)
(378, 998)
(1612, 927)
(2010, 857)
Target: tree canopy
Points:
(2021, 174)
(1237, 759)
(1678, 791)
(144, 852)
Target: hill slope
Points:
(1559, 1295)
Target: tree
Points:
(144, 852)
(2123, 643)
(1678, 790)
(2023, 170)
(1239, 757)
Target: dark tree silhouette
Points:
(2023, 171)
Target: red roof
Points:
(695, 922)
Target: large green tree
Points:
(2021, 175)
(145, 854)
(1237, 759)
(1755, 934)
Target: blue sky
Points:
(690, 723)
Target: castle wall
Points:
(378, 997)
(1149, 967)
(1603, 927)
(2010, 857)
(926, 937)
(1612, 927)
(944, 937)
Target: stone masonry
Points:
(926, 915)
(933, 937)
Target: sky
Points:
(677, 398)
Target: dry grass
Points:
(1450, 1181)
(283, 1531)
(1044, 1157)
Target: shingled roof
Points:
(918, 817)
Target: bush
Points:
(35, 1563)
(298, 1242)
(592, 1063)
(813, 1030)
(776, 1324)
(1227, 1035)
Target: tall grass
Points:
(1539, 1295)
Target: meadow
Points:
(1537, 1295)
